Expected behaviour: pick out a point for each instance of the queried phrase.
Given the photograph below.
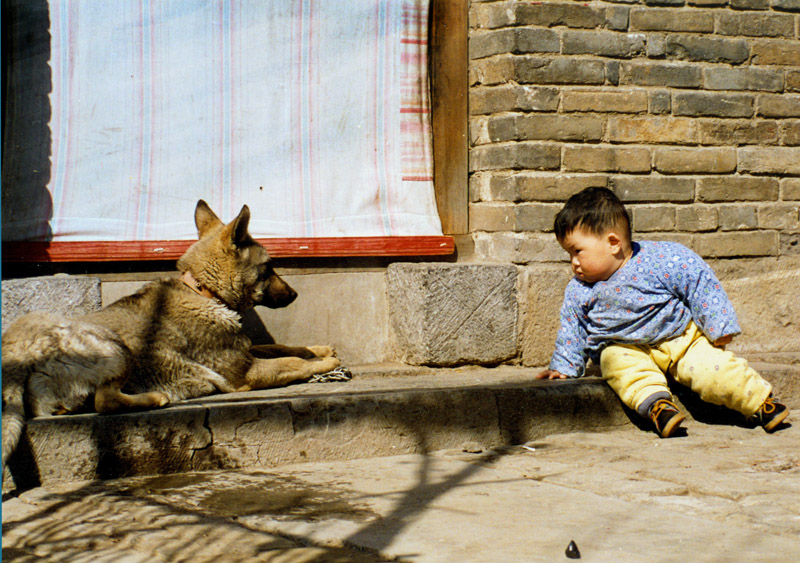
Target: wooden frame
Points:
(448, 56)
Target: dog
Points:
(175, 339)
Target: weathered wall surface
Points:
(688, 109)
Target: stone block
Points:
(528, 155)
(663, 19)
(755, 25)
(793, 81)
(786, 5)
(790, 133)
(750, 4)
(758, 79)
(543, 186)
(696, 218)
(781, 216)
(538, 70)
(695, 160)
(712, 104)
(737, 217)
(672, 75)
(775, 52)
(541, 295)
(790, 189)
(611, 159)
(605, 101)
(450, 314)
(737, 188)
(705, 49)
(602, 43)
(511, 97)
(652, 218)
(65, 295)
(769, 160)
(631, 189)
(764, 294)
(551, 14)
(737, 244)
(785, 105)
(736, 132)
(657, 130)
(517, 248)
(660, 102)
(544, 127)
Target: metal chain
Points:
(339, 374)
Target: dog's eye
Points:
(264, 271)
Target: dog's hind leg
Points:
(109, 399)
(282, 371)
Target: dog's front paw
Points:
(158, 399)
(323, 351)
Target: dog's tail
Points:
(14, 383)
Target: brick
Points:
(535, 156)
(489, 217)
(611, 159)
(696, 218)
(737, 188)
(781, 216)
(737, 217)
(790, 189)
(552, 14)
(497, 70)
(511, 97)
(617, 18)
(478, 131)
(612, 72)
(755, 25)
(776, 53)
(537, 70)
(712, 104)
(602, 43)
(750, 4)
(500, 14)
(790, 244)
(720, 78)
(517, 248)
(733, 244)
(786, 5)
(632, 189)
(533, 186)
(659, 102)
(671, 75)
(790, 133)
(535, 216)
(605, 101)
(686, 21)
(785, 105)
(737, 132)
(708, 3)
(793, 81)
(545, 127)
(695, 160)
(662, 130)
(673, 3)
(514, 40)
(705, 49)
(656, 218)
(769, 160)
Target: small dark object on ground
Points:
(572, 551)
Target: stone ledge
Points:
(385, 410)
(67, 295)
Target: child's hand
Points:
(724, 341)
(550, 374)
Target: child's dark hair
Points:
(596, 210)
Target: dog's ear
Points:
(238, 227)
(204, 218)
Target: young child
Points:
(644, 309)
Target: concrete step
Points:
(384, 410)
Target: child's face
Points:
(594, 257)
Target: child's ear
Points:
(614, 241)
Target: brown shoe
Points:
(666, 416)
(771, 414)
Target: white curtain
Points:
(121, 115)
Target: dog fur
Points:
(174, 339)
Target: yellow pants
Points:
(636, 373)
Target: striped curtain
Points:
(121, 115)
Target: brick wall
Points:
(688, 109)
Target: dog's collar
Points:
(188, 279)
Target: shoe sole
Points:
(673, 424)
(773, 424)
